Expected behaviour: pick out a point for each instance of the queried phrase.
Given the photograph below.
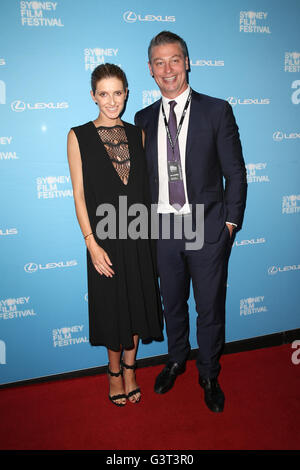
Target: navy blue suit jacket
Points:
(215, 168)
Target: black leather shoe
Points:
(213, 395)
(165, 380)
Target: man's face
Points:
(169, 68)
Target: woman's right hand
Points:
(99, 258)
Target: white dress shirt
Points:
(164, 207)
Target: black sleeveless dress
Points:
(129, 302)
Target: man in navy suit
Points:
(192, 145)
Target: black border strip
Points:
(259, 342)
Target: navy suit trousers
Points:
(206, 269)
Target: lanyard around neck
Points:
(180, 122)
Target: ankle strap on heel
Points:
(114, 374)
(133, 367)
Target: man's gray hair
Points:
(167, 37)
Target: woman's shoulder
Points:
(82, 130)
(81, 127)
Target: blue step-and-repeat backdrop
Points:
(247, 52)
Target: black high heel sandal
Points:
(121, 395)
(136, 390)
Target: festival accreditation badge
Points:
(174, 171)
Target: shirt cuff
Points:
(231, 223)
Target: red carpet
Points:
(262, 410)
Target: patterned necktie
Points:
(176, 188)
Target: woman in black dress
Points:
(108, 169)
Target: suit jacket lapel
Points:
(152, 136)
(192, 128)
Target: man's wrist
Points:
(232, 224)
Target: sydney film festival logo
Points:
(99, 55)
(13, 308)
(252, 305)
(5, 142)
(256, 173)
(254, 22)
(150, 96)
(50, 187)
(291, 204)
(292, 62)
(68, 336)
(40, 14)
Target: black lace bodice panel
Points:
(115, 141)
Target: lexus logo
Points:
(278, 136)
(231, 100)
(31, 267)
(18, 106)
(272, 270)
(129, 17)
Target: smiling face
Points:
(169, 68)
(110, 97)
